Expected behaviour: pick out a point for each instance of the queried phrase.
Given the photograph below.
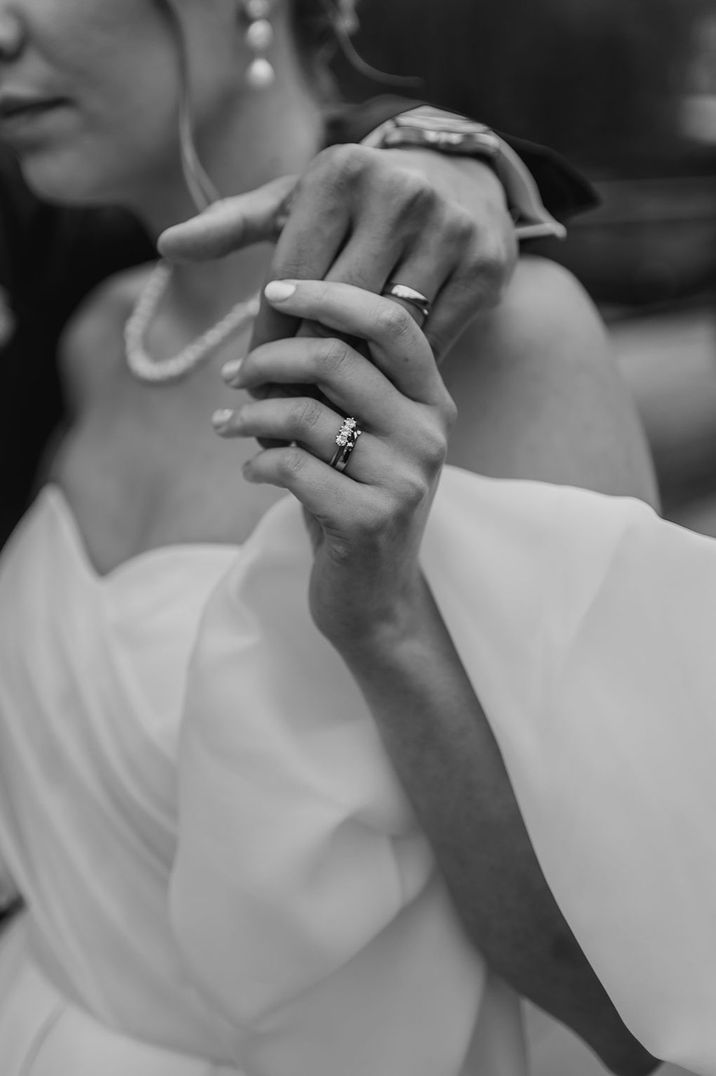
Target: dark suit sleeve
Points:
(564, 191)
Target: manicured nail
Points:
(231, 369)
(221, 418)
(277, 291)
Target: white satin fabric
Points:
(588, 625)
(221, 873)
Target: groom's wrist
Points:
(433, 130)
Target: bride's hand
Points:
(366, 216)
(367, 522)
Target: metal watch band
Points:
(444, 132)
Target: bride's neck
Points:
(271, 132)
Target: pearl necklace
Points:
(143, 366)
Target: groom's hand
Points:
(367, 217)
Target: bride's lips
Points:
(20, 112)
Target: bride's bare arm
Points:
(539, 401)
(538, 398)
(446, 757)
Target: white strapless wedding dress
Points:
(220, 871)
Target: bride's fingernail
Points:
(277, 291)
(231, 369)
(221, 418)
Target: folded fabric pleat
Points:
(301, 876)
(218, 862)
(587, 625)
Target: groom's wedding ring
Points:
(421, 302)
(346, 439)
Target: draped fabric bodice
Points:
(218, 864)
(91, 691)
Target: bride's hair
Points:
(321, 25)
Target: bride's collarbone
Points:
(94, 368)
(128, 505)
(141, 466)
(135, 482)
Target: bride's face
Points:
(89, 89)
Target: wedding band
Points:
(346, 439)
(409, 295)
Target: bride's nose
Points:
(11, 33)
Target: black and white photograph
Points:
(357, 537)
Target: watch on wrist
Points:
(430, 128)
(443, 132)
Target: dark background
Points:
(599, 79)
(627, 90)
(608, 83)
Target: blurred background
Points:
(627, 90)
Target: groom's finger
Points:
(315, 231)
(255, 217)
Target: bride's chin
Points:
(57, 180)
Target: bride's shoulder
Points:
(539, 395)
(93, 340)
(544, 305)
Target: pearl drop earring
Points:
(259, 39)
